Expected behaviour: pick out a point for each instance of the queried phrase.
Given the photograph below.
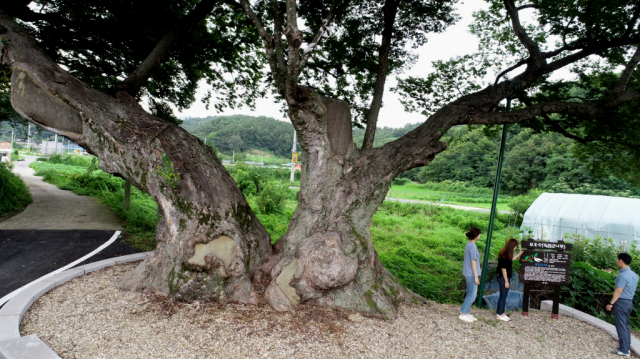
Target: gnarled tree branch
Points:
(537, 60)
(628, 71)
(560, 107)
(390, 9)
(528, 6)
(316, 39)
(140, 75)
(511, 68)
(278, 23)
(294, 41)
(266, 39)
(554, 124)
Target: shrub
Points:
(13, 192)
(74, 160)
(400, 181)
(520, 204)
(590, 290)
(457, 187)
(271, 198)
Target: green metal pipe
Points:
(492, 217)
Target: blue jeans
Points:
(504, 293)
(472, 291)
(621, 311)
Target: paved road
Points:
(465, 208)
(26, 255)
(53, 208)
(58, 228)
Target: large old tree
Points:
(81, 69)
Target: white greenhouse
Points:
(553, 215)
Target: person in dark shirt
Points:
(505, 262)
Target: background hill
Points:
(545, 161)
(242, 133)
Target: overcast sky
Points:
(454, 42)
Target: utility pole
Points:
(55, 147)
(293, 164)
(233, 156)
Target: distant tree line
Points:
(543, 161)
(241, 133)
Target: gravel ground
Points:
(89, 318)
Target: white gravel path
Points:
(89, 318)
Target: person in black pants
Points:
(505, 264)
(622, 303)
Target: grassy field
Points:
(417, 191)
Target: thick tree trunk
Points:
(210, 244)
(327, 257)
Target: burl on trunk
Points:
(327, 257)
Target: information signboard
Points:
(541, 266)
(544, 262)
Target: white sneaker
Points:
(472, 317)
(466, 317)
(503, 317)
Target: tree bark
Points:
(210, 244)
(327, 257)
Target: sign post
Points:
(544, 262)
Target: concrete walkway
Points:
(53, 208)
(464, 208)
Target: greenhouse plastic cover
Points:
(554, 214)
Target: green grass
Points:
(14, 194)
(417, 191)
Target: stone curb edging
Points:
(12, 345)
(574, 313)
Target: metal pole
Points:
(29, 137)
(492, 217)
(127, 194)
(293, 164)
